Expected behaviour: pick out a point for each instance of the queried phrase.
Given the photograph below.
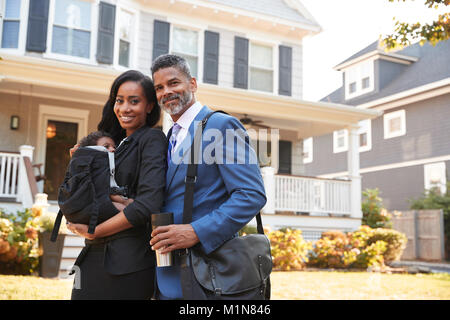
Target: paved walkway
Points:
(435, 267)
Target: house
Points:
(407, 149)
(59, 59)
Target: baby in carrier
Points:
(83, 197)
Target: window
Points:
(394, 124)
(261, 67)
(359, 79)
(340, 141)
(308, 150)
(185, 44)
(11, 24)
(434, 175)
(71, 34)
(365, 135)
(125, 37)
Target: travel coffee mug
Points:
(162, 219)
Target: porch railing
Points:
(9, 174)
(312, 195)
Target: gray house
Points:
(407, 149)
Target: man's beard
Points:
(183, 100)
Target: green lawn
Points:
(285, 285)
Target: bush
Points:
(19, 250)
(363, 248)
(289, 249)
(374, 215)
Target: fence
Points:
(425, 232)
(9, 174)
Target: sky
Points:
(347, 27)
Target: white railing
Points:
(312, 195)
(9, 174)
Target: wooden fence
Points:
(425, 232)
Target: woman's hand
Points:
(73, 149)
(81, 230)
(120, 200)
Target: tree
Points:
(438, 30)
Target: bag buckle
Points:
(217, 292)
(191, 179)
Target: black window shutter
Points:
(240, 63)
(285, 157)
(211, 58)
(105, 37)
(161, 37)
(285, 71)
(37, 26)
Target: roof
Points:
(285, 9)
(433, 64)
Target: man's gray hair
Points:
(169, 61)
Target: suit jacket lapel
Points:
(185, 147)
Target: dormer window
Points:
(359, 79)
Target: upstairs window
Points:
(359, 79)
(125, 37)
(71, 34)
(11, 24)
(185, 44)
(365, 135)
(394, 124)
(340, 141)
(261, 67)
(434, 174)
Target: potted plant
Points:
(51, 252)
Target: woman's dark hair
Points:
(92, 138)
(109, 122)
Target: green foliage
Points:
(289, 249)
(395, 242)
(405, 33)
(19, 243)
(374, 215)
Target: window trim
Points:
(392, 115)
(368, 147)
(23, 25)
(200, 43)
(95, 5)
(274, 65)
(336, 148)
(133, 40)
(441, 166)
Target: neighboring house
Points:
(59, 58)
(407, 149)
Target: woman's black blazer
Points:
(141, 166)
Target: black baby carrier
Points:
(83, 197)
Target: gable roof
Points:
(285, 9)
(433, 64)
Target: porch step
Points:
(73, 244)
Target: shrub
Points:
(289, 249)
(395, 243)
(331, 253)
(374, 215)
(19, 243)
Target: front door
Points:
(285, 157)
(60, 137)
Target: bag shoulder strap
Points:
(191, 177)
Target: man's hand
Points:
(81, 230)
(172, 237)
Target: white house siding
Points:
(297, 158)
(297, 70)
(145, 41)
(226, 57)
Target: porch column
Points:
(268, 175)
(353, 172)
(24, 194)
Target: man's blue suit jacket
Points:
(226, 197)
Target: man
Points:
(228, 194)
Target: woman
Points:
(117, 262)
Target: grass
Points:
(285, 285)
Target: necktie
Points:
(173, 140)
